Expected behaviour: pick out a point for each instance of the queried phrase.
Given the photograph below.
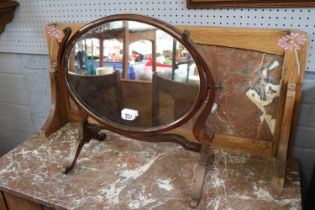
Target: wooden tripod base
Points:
(87, 132)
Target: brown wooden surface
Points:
(17, 203)
(2, 203)
(234, 143)
(102, 94)
(303, 52)
(292, 80)
(60, 112)
(288, 66)
(7, 4)
(168, 103)
(137, 95)
(285, 133)
(247, 146)
(57, 116)
(47, 208)
(262, 40)
(192, 4)
(7, 9)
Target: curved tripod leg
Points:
(77, 153)
(87, 132)
(200, 175)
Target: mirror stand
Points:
(87, 132)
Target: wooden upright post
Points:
(125, 51)
(101, 52)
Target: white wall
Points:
(304, 145)
(24, 97)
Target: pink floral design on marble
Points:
(292, 41)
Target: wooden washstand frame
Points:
(261, 40)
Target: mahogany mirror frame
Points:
(206, 80)
(201, 107)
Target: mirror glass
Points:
(133, 74)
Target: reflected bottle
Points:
(131, 72)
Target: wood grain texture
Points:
(17, 203)
(302, 53)
(262, 40)
(292, 80)
(285, 133)
(291, 75)
(60, 112)
(243, 145)
(7, 9)
(202, 4)
(289, 68)
(2, 202)
(232, 143)
(47, 208)
(227, 142)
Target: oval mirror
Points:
(132, 73)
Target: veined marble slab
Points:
(121, 173)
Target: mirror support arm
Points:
(87, 132)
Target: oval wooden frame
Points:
(201, 107)
(183, 38)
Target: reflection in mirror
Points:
(140, 54)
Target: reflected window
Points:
(126, 65)
(136, 50)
